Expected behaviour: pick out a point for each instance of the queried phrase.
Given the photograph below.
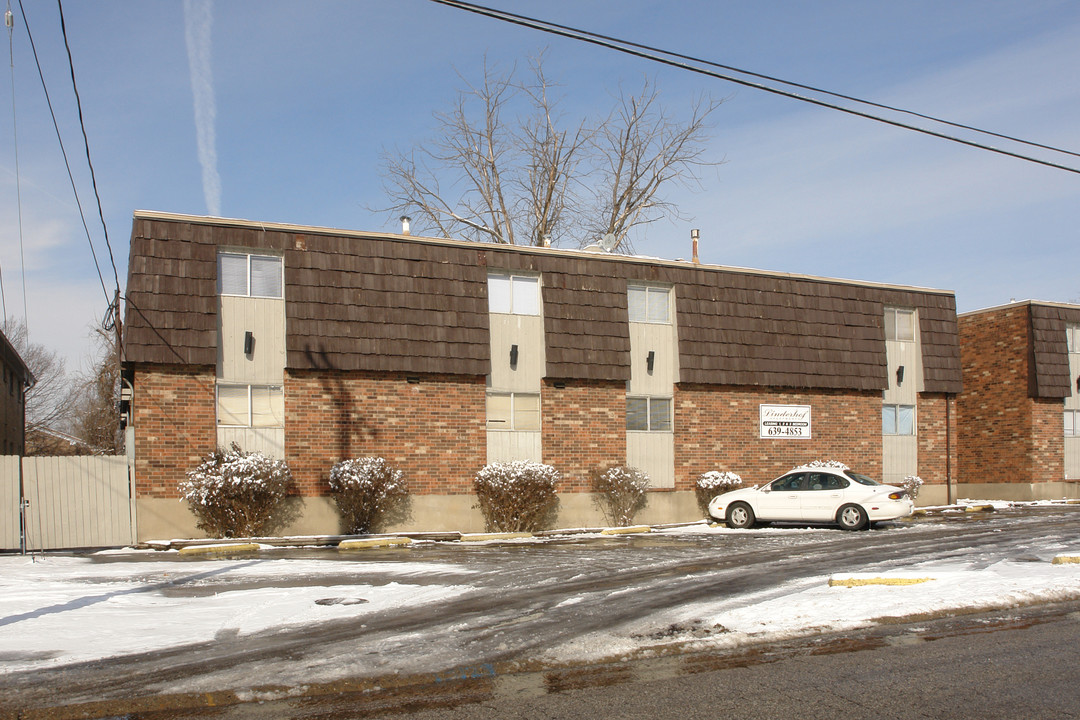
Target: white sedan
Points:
(814, 494)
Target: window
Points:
(251, 405)
(1072, 336)
(899, 325)
(249, 275)
(513, 411)
(648, 414)
(1072, 423)
(514, 294)
(648, 304)
(898, 420)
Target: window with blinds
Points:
(249, 275)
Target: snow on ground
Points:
(58, 609)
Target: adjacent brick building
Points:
(17, 380)
(318, 345)
(1019, 410)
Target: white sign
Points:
(784, 421)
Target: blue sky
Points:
(307, 96)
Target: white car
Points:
(814, 495)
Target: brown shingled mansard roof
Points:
(386, 302)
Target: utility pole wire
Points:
(647, 53)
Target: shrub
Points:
(239, 494)
(620, 493)
(517, 496)
(369, 494)
(912, 483)
(713, 483)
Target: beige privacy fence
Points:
(71, 502)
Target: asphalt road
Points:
(517, 612)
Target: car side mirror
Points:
(766, 488)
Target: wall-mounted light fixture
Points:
(513, 356)
(412, 379)
(249, 343)
(650, 360)
(900, 375)
(1078, 383)
(559, 385)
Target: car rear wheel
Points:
(851, 517)
(740, 516)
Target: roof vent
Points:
(405, 220)
(694, 235)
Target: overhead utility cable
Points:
(86, 144)
(651, 53)
(9, 22)
(63, 152)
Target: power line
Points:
(63, 152)
(651, 53)
(86, 144)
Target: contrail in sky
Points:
(198, 19)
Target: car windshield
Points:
(861, 479)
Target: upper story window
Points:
(514, 294)
(1072, 423)
(649, 304)
(1072, 335)
(250, 275)
(648, 414)
(900, 324)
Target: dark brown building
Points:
(17, 379)
(318, 345)
(1020, 408)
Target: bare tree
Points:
(95, 415)
(49, 401)
(489, 178)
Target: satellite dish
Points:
(608, 242)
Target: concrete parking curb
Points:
(626, 530)
(979, 508)
(373, 543)
(219, 549)
(1065, 559)
(861, 581)
(480, 537)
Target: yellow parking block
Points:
(1065, 559)
(860, 581)
(478, 537)
(979, 508)
(626, 530)
(218, 549)
(360, 544)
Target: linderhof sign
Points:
(784, 421)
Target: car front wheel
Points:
(851, 517)
(740, 516)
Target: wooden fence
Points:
(71, 502)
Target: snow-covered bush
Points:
(517, 496)
(912, 483)
(713, 483)
(369, 494)
(238, 494)
(620, 493)
(833, 464)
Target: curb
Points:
(626, 530)
(218, 549)
(480, 537)
(373, 543)
(861, 581)
(1065, 560)
(979, 508)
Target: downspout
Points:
(948, 450)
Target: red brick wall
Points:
(716, 428)
(434, 430)
(584, 427)
(175, 427)
(995, 414)
(934, 446)
(1047, 446)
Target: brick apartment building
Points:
(317, 345)
(1019, 412)
(17, 380)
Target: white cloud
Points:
(198, 21)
